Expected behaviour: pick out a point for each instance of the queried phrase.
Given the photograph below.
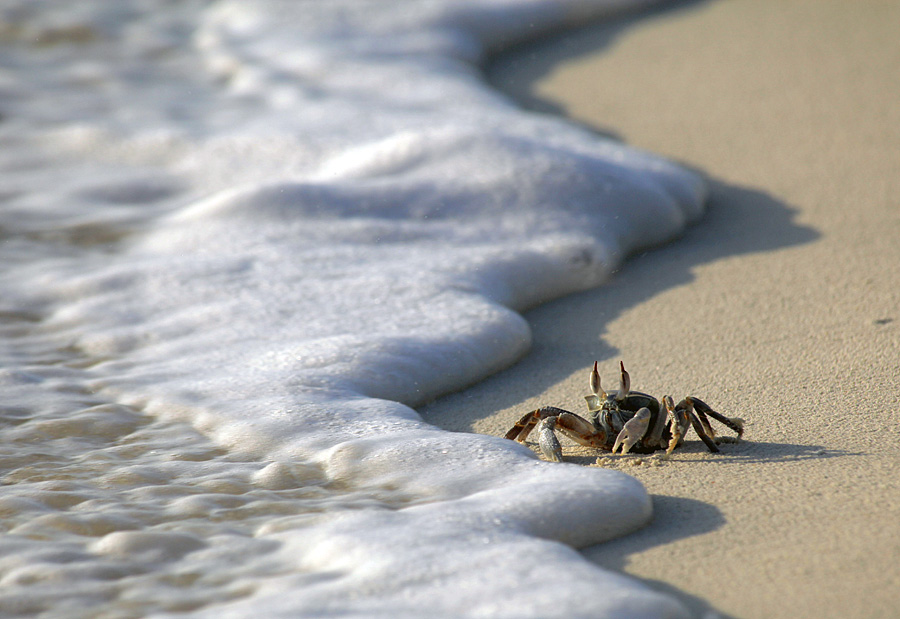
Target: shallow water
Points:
(109, 512)
(240, 241)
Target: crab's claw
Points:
(633, 431)
(547, 440)
(703, 409)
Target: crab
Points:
(624, 419)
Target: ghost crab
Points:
(632, 420)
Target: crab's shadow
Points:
(761, 452)
(745, 452)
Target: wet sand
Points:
(781, 306)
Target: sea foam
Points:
(287, 224)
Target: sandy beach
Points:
(781, 306)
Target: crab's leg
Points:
(547, 440)
(704, 421)
(524, 426)
(678, 423)
(686, 408)
(633, 431)
(735, 423)
(698, 428)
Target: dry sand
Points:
(781, 306)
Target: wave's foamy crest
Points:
(286, 223)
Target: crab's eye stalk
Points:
(596, 389)
(669, 403)
(624, 383)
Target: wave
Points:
(304, 219)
